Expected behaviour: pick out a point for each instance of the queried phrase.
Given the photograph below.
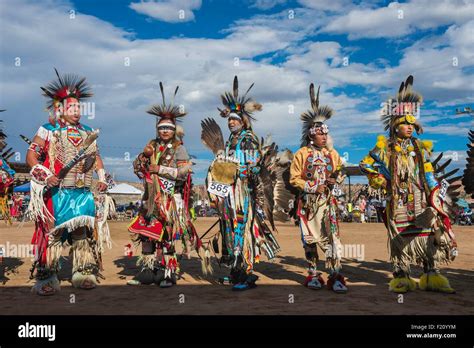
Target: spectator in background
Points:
(130, 209)
(362, 206)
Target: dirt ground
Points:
(280, 289)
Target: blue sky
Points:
(211, 18)
(282, 46)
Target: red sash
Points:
(152, 229)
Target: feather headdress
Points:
(66, 86)
(166, 113)
(242, 107)
(402, 108)
(169, 111)
(316, 116)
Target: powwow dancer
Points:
(237, 190)
(165, 168)
(315, 170)
(62, 203)
(419, 202)
(7, 175)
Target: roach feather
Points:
(236, 87)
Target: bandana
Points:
(235, 116)
(407, 119)
(319, 129)
(166, 125)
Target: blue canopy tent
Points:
(462, 203)
(22, 188)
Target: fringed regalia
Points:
(7, 175)
(66, 214)
(419, 197)
(165, 217)
(235, 187)
(311, 167)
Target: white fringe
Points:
(82, 254)
(206, 266)
(107, 206)
(146, 261)
(36, 208)
(53, 254)
(418, 250)
(75, 223)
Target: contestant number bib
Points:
(336, 191)
(219, 189)
(167, 185)
(443, 189)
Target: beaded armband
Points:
(40, 174)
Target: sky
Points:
(357, 51)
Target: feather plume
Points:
(236, 88)
(437, 159)
(267, 180)
(162, 93)
(179, 132)
(468, 174)
(252, 106)
(211, 135)
(163, 110)
(442, 167)
(284, 193)
(453, 190)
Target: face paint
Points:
(234, 116)
(166, 125)
(166, 128)
(235, 122)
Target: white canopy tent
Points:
(125, 189)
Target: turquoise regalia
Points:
(65, 214)
(72, 203)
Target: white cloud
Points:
(266, 4)
(438, 64)
(400, 19)
(120, 167)
(332, 6)
(204, 68)
(172, 11)
(461, 129)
